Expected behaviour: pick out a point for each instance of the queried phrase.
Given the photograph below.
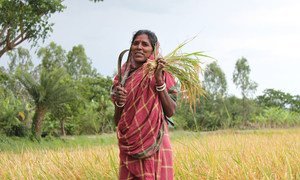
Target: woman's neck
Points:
(136, 65)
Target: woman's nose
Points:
(139, 46)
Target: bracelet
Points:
(118, 105)
(161, 88)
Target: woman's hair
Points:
(151, 35)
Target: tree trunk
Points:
(40, 112)
(62, 127)
(244, 111)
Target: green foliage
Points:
(53, 56)
(241, 77)
(215, 112)
(242, 80)
(277, 117)
(11, 123)
(295, 104)
(276, 98)
(183, 118)
(20, 58)
(85, 95)
(206, 117)
(17, 145)
(64, 95)
(92, 118)
(78, 64)
(215, 81)
(95, 88)
(14, 110)
(25, 20)
(48, 92)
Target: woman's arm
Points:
(168, 104)
(117, 115)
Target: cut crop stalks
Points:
(186, 67)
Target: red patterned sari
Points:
(142, 131)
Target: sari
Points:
(142, 131)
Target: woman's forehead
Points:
(142, 37)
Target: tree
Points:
(78, 64)
(53, 56)
(49, 92)
(242, 80)
(274, 98)
(216, 85)
(214, 80)
(279, 99)
(22, 20)
(295, 106)
(96, 90)
(20, 58)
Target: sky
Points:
(266, 33)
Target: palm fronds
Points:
(50, 90)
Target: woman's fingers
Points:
(161, 60)
(121, 89)
(160, 64)
(121, 94)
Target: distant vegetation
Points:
(65, 95)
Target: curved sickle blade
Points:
(120, 64)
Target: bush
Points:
(277, 117)
(10, 124)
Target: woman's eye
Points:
(145, 44)
(135, 43)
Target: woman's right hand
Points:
(120, 95)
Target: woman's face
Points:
(141, 49)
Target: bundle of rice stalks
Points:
(186, 67)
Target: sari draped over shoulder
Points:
(142, 128)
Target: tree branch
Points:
(8, 43)
(13, 42)
(22, 39)
(3, 30)
(1, 43)
(2, 51)
(2, 34)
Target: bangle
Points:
(118, 105)
(161, 88)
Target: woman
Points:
(142, 107)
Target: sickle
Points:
(120, 63)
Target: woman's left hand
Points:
(159, 71)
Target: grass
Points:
(230, 154)
(16, 144)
